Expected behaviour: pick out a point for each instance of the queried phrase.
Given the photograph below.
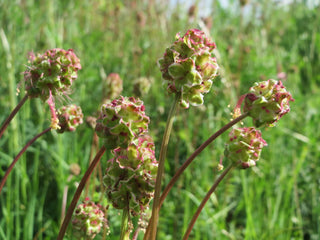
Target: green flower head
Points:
(131, 174)
(188, 67)
(121, 121)
(88, 220)
(51, 73)
(70, 117)
(244, 146)
(267, 102)
(112, 86)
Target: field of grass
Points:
(277, 199)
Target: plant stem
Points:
(77, 195)
(163, 152)
(125, 230)
(205, 199)
(12, 114)
(196, 153)
(4, 179)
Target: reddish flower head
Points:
(188, 67)
(266, 102)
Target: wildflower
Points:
(131, 174)
(112, 86)
(88, 220)
(188, 67)
(69, 117)
(142, 85)
(244, 146)
(121, 121)
(266, 102)
(51, 74)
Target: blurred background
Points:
(256, 40)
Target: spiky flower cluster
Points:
(88, 220)
(69, 118)
(51, 73)
(112, 86)
(121, 121)
(244, 146)
(267, 102)
(189, 67)
(130, 175)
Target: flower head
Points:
(51, 73)
(244, 146)
(69, 118)
(142, 85)
(112, 86)
(188, 67)
(267, 102)
(120, 121)
(131, 174)
(88, 220)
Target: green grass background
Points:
(278, 199)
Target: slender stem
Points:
(64, 199)
(163, 152)
(196, 153)
(205, 199)
(77, 195)
(4, 179)
(125, 230)
(136, 234)
(12, 114)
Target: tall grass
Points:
(278, 199)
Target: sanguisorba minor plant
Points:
(133, 175)
(49, 75)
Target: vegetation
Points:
(259, 40)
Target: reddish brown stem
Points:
(12, 114)
(196, 153)
(4, 179)
(77, 195)
(204, 201)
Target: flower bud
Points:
(69, 118)
(142, 85)
(120, 121)
(51, 73)
(88, 220)
(267, 102)
(131, 174)
(244, 146)
(112, 86)
(188, 67)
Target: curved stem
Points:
(77, 195)
(196, 153)
(205, 199)
(12, 114)
(4, 179)
(163, 152)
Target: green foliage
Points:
(277, 199)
